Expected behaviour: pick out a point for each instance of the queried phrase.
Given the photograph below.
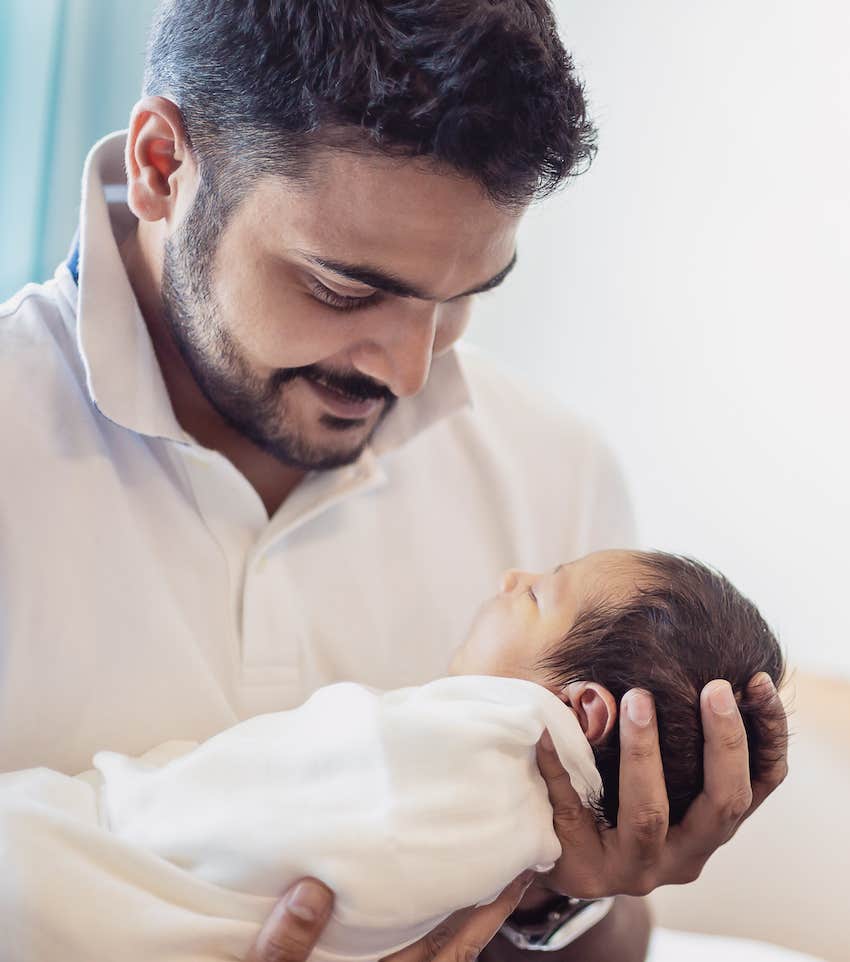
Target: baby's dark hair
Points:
(685, 625)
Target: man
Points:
(250, 460)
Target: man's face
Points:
(299, 357)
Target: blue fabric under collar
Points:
(73, 262)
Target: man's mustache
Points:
(356, 386)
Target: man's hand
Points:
(297, 921)
(463, 935)
(295, 924)
(641, 853)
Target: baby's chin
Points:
(467, 658)
(456, 664)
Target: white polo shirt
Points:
(145, 595)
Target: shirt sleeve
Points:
(71, 890)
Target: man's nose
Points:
(400, 354)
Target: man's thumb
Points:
(295, 924)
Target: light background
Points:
(689, 294)
(70, 71)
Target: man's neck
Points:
(273, 481)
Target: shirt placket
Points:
(274, 622)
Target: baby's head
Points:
(614, 620)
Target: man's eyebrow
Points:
(393, 284)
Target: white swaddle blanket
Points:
(408, 804)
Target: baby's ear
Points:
(595, 707)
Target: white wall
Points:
(690, 293)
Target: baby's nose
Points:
(511, 578)
(508, 580)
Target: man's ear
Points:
(161, 170)
(595, 708)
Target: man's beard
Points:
(253, 406)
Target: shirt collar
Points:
(122, 373)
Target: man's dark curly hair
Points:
(483, 87)
(685, 626)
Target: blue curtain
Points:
(70, 72)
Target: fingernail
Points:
(721, 699)
(639, 707)
(307, 902)
(526, 878)
(546, 741)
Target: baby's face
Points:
(532, 613)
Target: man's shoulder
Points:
(38, 317)
(507, 408)
(37, 344)
(42, 376)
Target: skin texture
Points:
(442, 235)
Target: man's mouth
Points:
(342, 405)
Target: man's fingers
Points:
(575, 826)
(463, 936)
(431, 945)
(643, 812)
(726, 796)
(774, 724)
(726, 759)
(295, 924)
(577, 872)
(483, 923)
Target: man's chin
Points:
(312, 440)
(323, 449)
(346, 438)
(317, 459)
(343, 427)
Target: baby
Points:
(410, 803)
(614, 620)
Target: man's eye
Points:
(337, 301)
(531, 594)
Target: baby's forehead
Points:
(617, 563)
(615, 576)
